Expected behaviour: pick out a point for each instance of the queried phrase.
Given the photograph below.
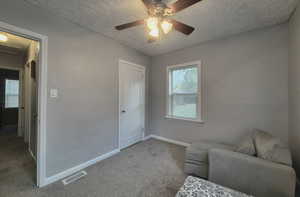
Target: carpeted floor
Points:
(17, 168)
(148, 169)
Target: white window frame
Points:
(199, 117)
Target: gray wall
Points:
(9, 60)
(294, 86)
(82, 123)
(246, 85)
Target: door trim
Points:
(42, 96)
(20, 70)
(143, 68)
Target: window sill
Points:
(185, 119)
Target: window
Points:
(184, 92)
(11, 93)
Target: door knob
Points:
(123, 111)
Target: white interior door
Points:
(132, 103)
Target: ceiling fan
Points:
(159, 22)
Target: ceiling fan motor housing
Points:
(160, 9)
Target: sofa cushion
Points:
(246, 146)
(281, 155)
(270, 148)
(196, 157)
(264, 143)
(198, 152)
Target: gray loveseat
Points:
(260, 165)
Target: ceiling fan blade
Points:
(129, 25)
(181, 27)
(182, 4)
(147, 3)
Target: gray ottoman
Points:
(194, 187)
(196, 157)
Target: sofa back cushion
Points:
(264, 143)
(270, 148)
(246, 146)
(281, 155)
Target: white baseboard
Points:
(82, 166)
(32, 155)
(71, 171)
(147, 137)
(167, 140)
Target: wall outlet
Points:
(53, 93)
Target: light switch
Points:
(53, 93)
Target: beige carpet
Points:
(148, 169)
(17, 168)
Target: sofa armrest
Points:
(251, 175)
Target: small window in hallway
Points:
(11, 93)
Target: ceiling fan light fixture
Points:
(154, 33)
(166, 26)
(159, 22)
(3, 38)
(152, 23)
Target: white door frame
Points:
(143, 68)
(42, 96)
(20, 133)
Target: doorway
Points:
(40, 170)
(131, 103)
(9, 101)
(18, 104)
(36, 70)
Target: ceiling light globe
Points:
(152, 23)
(3, 38)
(166, 26)
(154, 33)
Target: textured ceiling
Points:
(15, 42)
(212, 19)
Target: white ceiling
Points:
(212, 19)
